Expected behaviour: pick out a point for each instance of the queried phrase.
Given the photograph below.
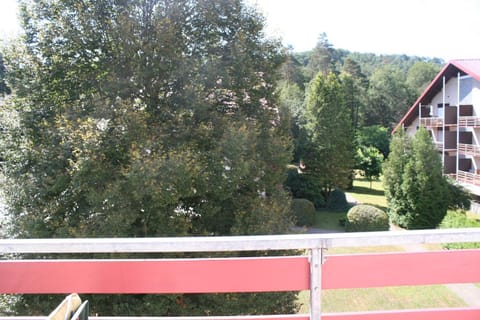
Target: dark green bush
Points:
(303, 186)
(366, 218)
(304, 212)
(337, 200)
(460, 198)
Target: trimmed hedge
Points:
(304, 212)
(364, 217)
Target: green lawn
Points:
(390, 298)
(365, 194)
(329, 219)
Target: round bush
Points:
(366, 218)
(304, 212)
(337, 200)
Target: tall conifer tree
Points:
(416, 190)
(328, 155)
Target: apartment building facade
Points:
(450, 109)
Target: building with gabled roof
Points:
(450, 109)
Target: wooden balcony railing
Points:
(470, 121)
(430, 122)
(315, 271)
(468, 178)
(469, 149)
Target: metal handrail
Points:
(238, 243)
(314, 243)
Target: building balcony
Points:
(471, 178)
(432, 122)
(315, 270)
(469, 149)
(469, 122)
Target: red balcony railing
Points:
(315, 271)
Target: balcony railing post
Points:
(316, 261)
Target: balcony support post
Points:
(458, 125)
(443, 125)
(316, 261)
(419, 114)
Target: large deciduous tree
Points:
(147, 118)
(369, 161)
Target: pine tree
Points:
(393, 169)
(322, 58)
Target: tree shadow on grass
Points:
(366, 190)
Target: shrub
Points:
(304, 212)
(460, 220)
(366, 218)
(459, 197)
(337, 200)
(303, 186)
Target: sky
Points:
(446, 29)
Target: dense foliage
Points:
(304, 212)
(328, 150)
(369, 161)
(304, 186)
(377, 90)
(4, 89)
(386, 85)
(363, 217)
(146, 118)
(374, 136)
(337, 200)
(416, 190)
(459, 197)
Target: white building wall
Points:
(475, 97)
(466, 90)
(451, 94)
(412, 128)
